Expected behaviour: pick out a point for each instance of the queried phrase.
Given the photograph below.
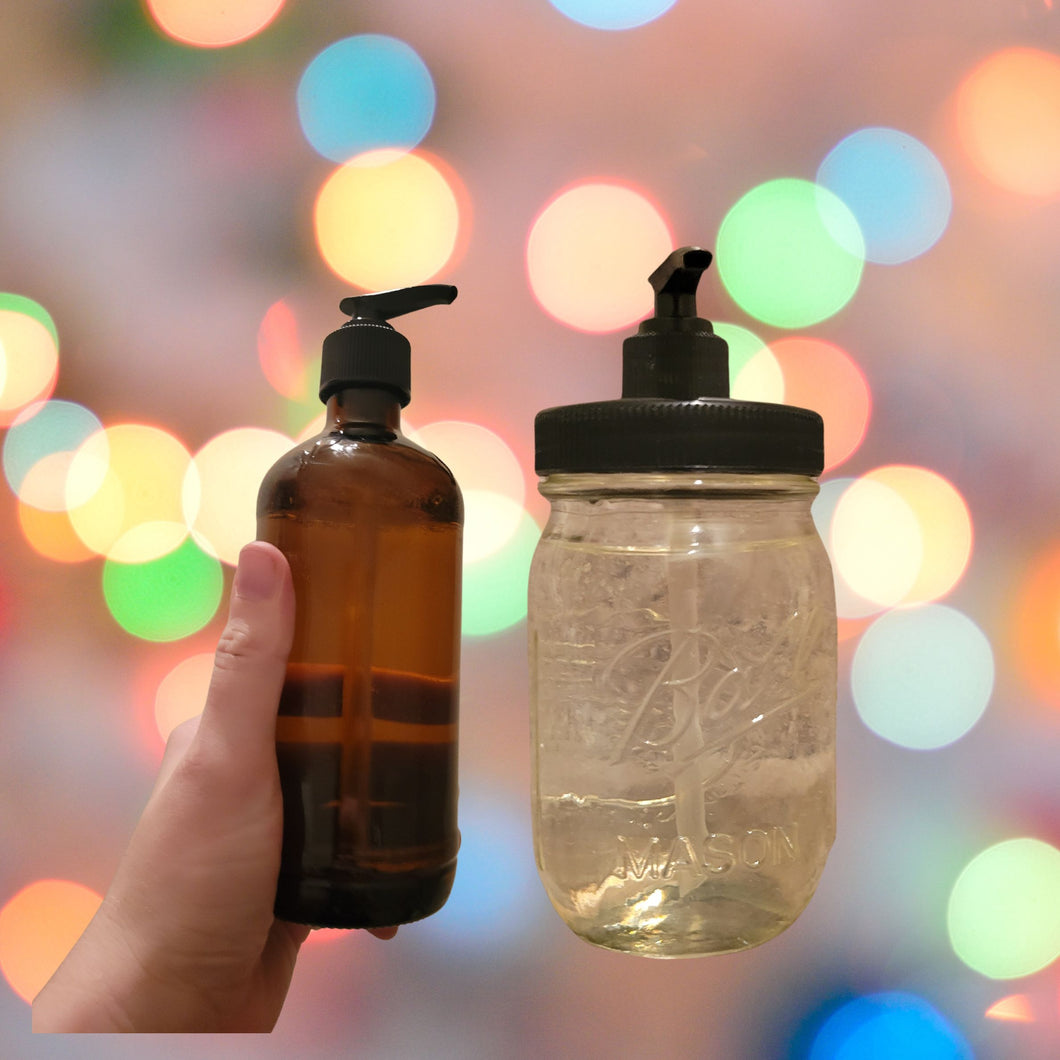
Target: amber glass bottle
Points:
(367, 727)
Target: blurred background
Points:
(188, 189)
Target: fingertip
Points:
(260, 572)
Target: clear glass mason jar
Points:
(683, 680)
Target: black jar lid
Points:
(675, 413)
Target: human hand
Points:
(185, 938)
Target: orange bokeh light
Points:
(208, 24)
(38, 926)
(1036, 627)
(1008, 120)
(52, 535)
(280, 353)
(1014, 1008)
(820, 376)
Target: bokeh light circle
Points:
(490, 479)
(945, 527)
(1003, 914)
(284, 365)
(52, 535)
(613, 14)
(208, 24)
(123, 476)
(496, 899)
(875, 543)
(39, 433)
(849, 605)
(1008, 120)
(922, 676)
(821, 376)
(1035, 626)
(181, 694)
(895, 187)
(589, 254)
(30, 355)
(221, 489)
(364, 93)
(790, 253)
(495, 588)
(754, 374)
(167, 598)
(387, 219)
(38, 926)
(894, 1025)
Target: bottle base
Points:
(699, 929)
(378, 902)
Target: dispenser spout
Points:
(676, 279)
(387, 304)
(675, 354)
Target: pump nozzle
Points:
(387, 304)
(675, 354)
(366, 351)
(676, 279)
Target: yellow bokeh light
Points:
(30, 361)
(123, 476)
(490, 522)
(876, 543)
(387, 219)
(490, 479)
(478, 457)
(51, 535)
(1008, 119)
(590, 252)
(38, 926)
(208, 24)
(945, 528)
(221, 489)
(760, 379)
(182, 692)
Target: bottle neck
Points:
(361, 408)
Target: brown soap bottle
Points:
(366, 736)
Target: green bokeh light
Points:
(495, 586)
(1004, 910)
(782, 253)
(167, 598)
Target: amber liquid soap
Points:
(367, 729)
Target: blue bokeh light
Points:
(613, 14)
(364, 93)
(889, 1026)
(497, 901)
(895, 187)
(50, 427)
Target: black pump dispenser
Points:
(675, 354)
(675, 413)
(366, 351)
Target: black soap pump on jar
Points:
(371, 525)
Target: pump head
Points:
(366, 351)
(675, 354)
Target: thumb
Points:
(251, 658)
